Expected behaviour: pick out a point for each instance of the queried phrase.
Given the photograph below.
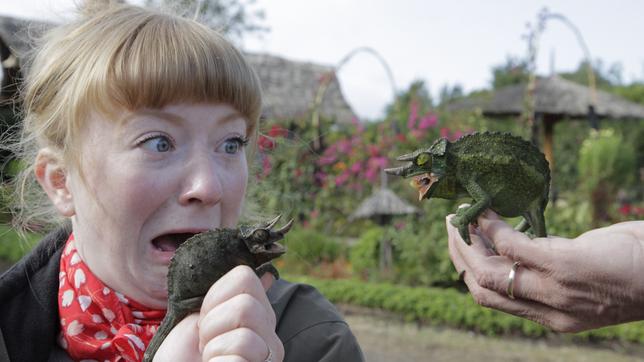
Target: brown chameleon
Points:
(206, 257)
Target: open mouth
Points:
(275, 248)
(170, 242)
(423, 183)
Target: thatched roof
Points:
(383, 202)
(554, 96)
(289, 87)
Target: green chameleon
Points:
(206, 257)
(497, 170)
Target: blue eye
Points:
(157, 144)
(234, 145)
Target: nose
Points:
(202, 184)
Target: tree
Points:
(233, 18)
(449, 93)
(514, 71)
(411, 103)
(604, 78)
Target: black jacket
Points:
(309, 326)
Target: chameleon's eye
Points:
(422, 159)
(260, 234)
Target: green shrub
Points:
(421, 253)
(604, 158)
(448, 307)
(364, 255)
(307, 248)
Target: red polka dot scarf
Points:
(98, 323)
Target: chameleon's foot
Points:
(267, 268)
(463, 228)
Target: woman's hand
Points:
(236, 323)
(568, 285)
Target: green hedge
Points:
(449, 307)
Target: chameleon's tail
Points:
(173, 316)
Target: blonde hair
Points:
(118, 57)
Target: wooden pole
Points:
(548, 139)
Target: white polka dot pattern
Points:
(97, 323)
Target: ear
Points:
(52, 175)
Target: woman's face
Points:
(150, 182)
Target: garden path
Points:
(384, 338)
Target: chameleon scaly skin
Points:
(204, 258)
(497, 170)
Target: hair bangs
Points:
(171, 60)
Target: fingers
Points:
(512, 243)
(534, 311)
(239, 343)
(240, 280)
(240, 312)
(267, 280)
(491, 272)
(237, 320)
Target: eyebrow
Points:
(173, 118)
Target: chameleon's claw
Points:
(463, 228)
(464, 231)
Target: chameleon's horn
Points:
(398, 171)
(284, 229)
(273, 222)
(407, 156)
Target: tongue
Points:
(166, 243)
(170, 242)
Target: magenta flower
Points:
(320, 176)
(417, 133)
(344, 146)
(356, 122)
(326, 160)
(445, 132)
(356, 167)
(371, 174)
(413, 115)
(373, 150)
(266, 166)
(342, 178)
(379, 162)
(430, 120)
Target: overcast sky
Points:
(441, 42)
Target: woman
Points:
(136, 123)
(569, 285)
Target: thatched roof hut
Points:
(556, 99)
(289, 86)
(383, 204)
(554, 96)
